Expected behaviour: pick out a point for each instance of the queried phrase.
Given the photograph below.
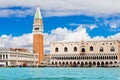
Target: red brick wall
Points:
(38, 46)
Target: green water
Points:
(59, 73)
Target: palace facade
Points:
(85, 53)
(17, 57)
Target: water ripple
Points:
(59, 73)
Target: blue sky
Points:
(18, 26)
(71, 16)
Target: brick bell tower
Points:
(38, 42)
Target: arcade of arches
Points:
(89, 60)
(85, 63)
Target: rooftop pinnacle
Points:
(38, 14)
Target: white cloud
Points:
(113, 22)
(67, 7)
(21, 41)
(113, 25)
(58, 34)
(92, 26)
(114, 37)
(15, 13)
(63, 34)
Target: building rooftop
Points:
(15, 49)
(85, 41)
(19, 49)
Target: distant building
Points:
(47, 59)
(85, 53)
(38, 43)
(17, 57)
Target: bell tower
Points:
(38, 42)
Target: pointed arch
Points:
(82, 64)
(112, 49)
(91, 48)
(101, 49)
(98, 64)
(75, 49)
(83, 50)
(56, 49)
(65, 49)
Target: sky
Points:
(63, 20)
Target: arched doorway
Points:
(82, 64)
(111, 63)
(55, 63)
(71, 64)
(90, 64)
(74, 64)
(106, 64)
(59, 63)
(94, 63)
(52, 63)
(86, 63)
(78, 63)
(63, 63)
(67, 64)
(102, 64)
(98, 64)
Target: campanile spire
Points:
(38, 13)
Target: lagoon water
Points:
(59, 73)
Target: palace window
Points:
(65, 49)
(101, 49)
(83, 50)
(91, 48)
(110, 43)
(112, 49)
(75, 49)
(56, 49)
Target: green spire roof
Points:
(38, 14)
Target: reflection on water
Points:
(59, 73)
